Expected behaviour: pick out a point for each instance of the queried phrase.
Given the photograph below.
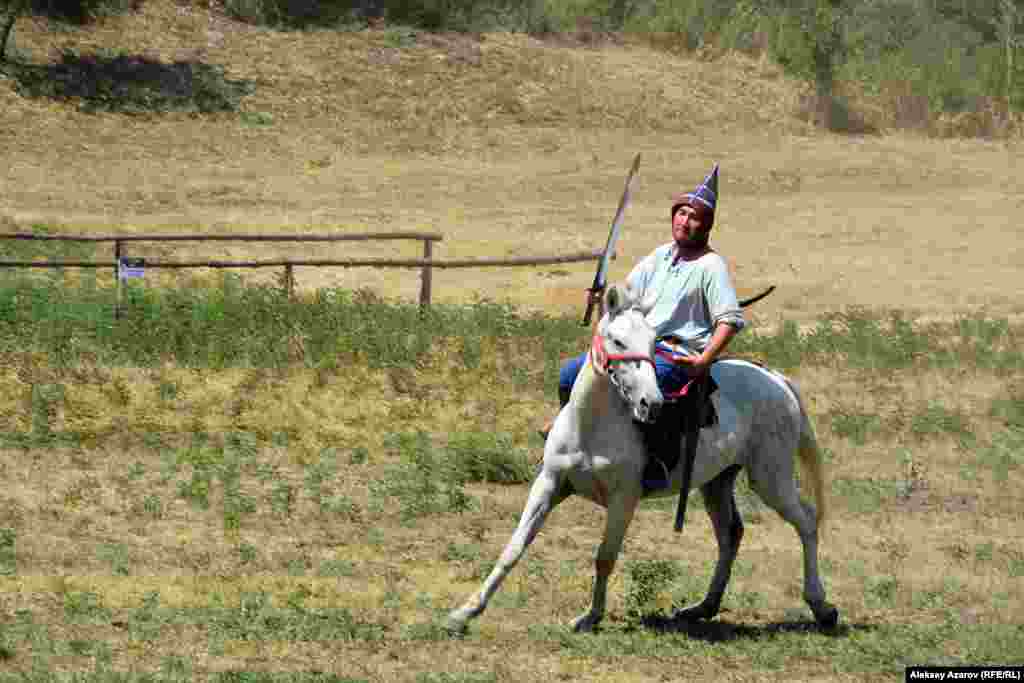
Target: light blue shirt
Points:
(692, 296)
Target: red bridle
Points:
(602, 360)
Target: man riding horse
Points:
(695, 316)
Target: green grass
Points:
(378, 496)
(854, 648)
(240, 325)
(853, 425)
(935, 419)
(8, 558)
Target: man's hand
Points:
(698, 365)
(597, 296)
(594, 295)
(724, 333)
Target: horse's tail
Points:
(810, 458)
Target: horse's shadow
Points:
(719, 630)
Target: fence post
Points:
(117, 279)
(289, 281)
(428, 252)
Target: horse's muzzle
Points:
(647, 411)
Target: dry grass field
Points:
(135, 549)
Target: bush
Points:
(299, 14)
(81, 11)
(483, 456)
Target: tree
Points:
(810, 42)
(1011, 35)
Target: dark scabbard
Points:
(690, 454)
(693, 429)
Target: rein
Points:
(602, 360)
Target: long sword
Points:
(601, 276)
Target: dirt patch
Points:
(927, 501)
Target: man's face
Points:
(689, 227)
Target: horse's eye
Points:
(618, 344)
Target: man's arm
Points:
(724, 332)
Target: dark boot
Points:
(663, 441)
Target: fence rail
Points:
(425, 264)
(194, 237)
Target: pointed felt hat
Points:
(704, 197)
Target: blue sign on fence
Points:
(131, 268)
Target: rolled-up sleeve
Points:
(723, 305)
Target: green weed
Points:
(487, 457)
(282, 499)
(240, 676)
(116, 555)
(646, 580)
(863, 496)
(1005, 453)
(880, 591)
(8, 558)
(853, 425)
(423, 484)
(247, 553)
(85, 607)
(337, 568)
(1010, 410)
(483, 677)
(936, 419)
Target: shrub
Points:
(487, 457)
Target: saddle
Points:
(663, 439)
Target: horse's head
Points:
(624, 350)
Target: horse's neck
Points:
(593, 399)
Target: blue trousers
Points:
(671, 377)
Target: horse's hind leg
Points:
(725, 518)
(780, 493)
(544, 495)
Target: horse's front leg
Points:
(543, 497)
(620, 514)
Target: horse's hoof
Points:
(827, 616)
(699, 612)
(584, 623)
(455, 628)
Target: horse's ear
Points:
(616, 300)
(642, 304)
(645, 304)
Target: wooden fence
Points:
(425, 264)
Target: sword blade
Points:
(620, 213)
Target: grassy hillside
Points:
(226, 485)
(509, 146)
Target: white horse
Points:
(594, 450)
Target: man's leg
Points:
(664, 437)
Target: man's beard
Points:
(695, 242)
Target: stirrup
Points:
(651, 482)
